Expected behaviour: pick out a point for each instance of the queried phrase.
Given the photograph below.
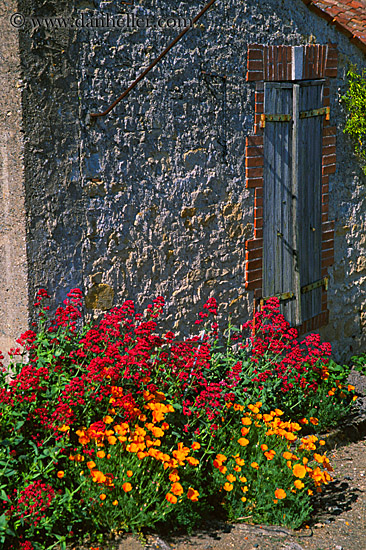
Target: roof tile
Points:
(349, 16)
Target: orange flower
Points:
(91, 464)
(244, 431)
(321, 442)
(98, 477)
(314, 420)
(115, 502)
(280, 494)
(221, 458)
(112, 440)
(129, 473)
(264, 447)
(127, 487)
(177, 489)
(64, 428)
(171, 498)
(243, 441)
(243, 479)
(231, 478)
(267, 418)
(107, 420)
(269, 455)
(192, 461)
(255, 465)
(100, 454)
(239, 461)
(350, 388)
(246, 421)
(299, 470)
(102, 496)
(60, 474)
(304, 421)
(287, 455)
(278, 412)
(173, 476)
(192, 494)
(195, 446)
(298, 484)
(228, 487)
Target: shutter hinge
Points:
(287, 118)
(282, 297)
(274, 118)
(316, 112)
(322, 282)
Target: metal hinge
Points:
(287, 118)
(316, 112)
(322, 282)
(282, 297)
(274, 118)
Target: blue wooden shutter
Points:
(292, 197)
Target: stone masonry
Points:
(152, 199)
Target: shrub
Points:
(114, 426)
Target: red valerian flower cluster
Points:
(275, 349)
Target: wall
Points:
(152, 199)
(13, 259)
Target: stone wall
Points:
(13, 259)
(151, 199)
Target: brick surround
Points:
(288, 63)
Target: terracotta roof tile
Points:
(349, 16)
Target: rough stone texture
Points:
(151, 199)
(13, 259)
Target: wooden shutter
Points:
(292, 196)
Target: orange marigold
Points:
(255, 465)
(177, 489)
(60, 474)
(228, 487)
(127, 487)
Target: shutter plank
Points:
(278, 258)
(310, 153)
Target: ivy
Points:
(355, 101)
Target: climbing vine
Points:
(355, 101)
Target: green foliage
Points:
(359, 362)
(355, 101)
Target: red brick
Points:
(330, 131)
(328, 235)
(328, 254)
(329, 150)
(328, 245)
(254, 141)
(331, 73)
(254, 151)
(254, 183)
(259, 108)
(325, 180)
(258, 223)
(331, 169)
(254, 65)
(325, 188)
(259, 97)
(252, 244)
(258, 201)
(258, 232)
(325, 208)
(251, 162)
(325, 217)
(253, 76)
(327, 262)
(251, 255)
(258, 212)
(328, 226)
(325, 198)
(254, 284)
(255, 264)
(255, 172)
(258, 193)
(329, 159)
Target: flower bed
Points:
(115, 426)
